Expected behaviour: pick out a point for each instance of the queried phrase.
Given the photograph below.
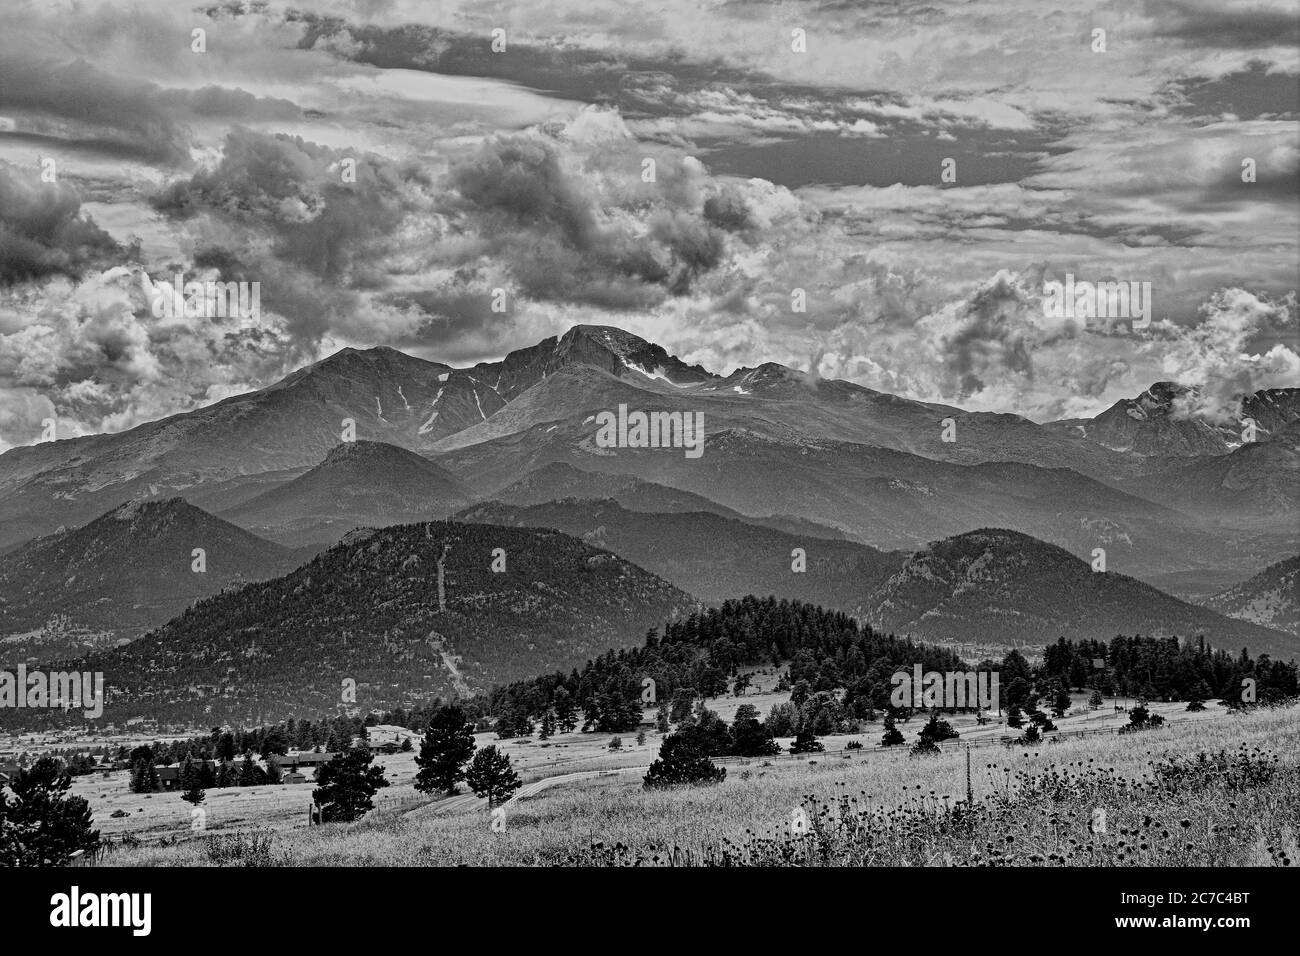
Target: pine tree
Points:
(892, 737)
(682, 760)
(490, 775)
(548, 727)
(1096, 699)
(226, 776)
(750, 737)
(225, 746)
(347, 785)
(447, 745)
(924, 747)
(566, 713)
(1014, 717)
(806, 742)
(1030, 736)
(249, 773)
(1061, 702)
(505, 727)
(42, 825)
(191, 783)
(937, 730)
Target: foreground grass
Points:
(1222, 792)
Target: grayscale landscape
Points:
(438, 434)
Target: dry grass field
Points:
(1032, 806)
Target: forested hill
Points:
(829, 650)
(369, 610)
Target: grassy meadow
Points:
(1224, 790)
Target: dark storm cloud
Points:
(450, 315)
(987, 341)
(297, 191)
(222, 102)
(1250, 94)
(81, 102)
(42, 231)
(583, 75)
(518, 183)
(84, 107)
(330, 239)
(1208, 25)
(109, 145)
(911, 158)
(566, 240)
(786, 132)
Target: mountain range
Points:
(492, 424)
(890, 499)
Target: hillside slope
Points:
(1270, 598)
(1000, 586)
(121, 574)
(368, 611)
(716, 558)
(359, 484)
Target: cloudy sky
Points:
(1102, 141)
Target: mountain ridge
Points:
(997, 584)
(371, 610)
(130, 569)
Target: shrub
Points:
(240, 849)
(924, 747)
(806, 742)
(682, 761)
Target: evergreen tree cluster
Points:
(1164, 668)
(696, 656)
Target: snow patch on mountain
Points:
(658, 373)
(424, 429)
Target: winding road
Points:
(465, 802)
